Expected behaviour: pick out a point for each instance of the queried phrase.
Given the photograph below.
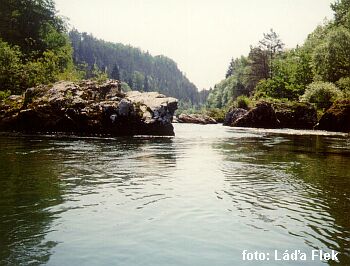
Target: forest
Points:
(137, 69)
(36, 48)
(317, 72)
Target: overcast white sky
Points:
(200, 35)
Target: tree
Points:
(259, 65)
(231, 68)
(162, 73)
(146, 86)
(331, 59)
(115, 74)
(272, 44)
(341, 10)
(323, 94)
(32, 25)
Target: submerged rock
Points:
(296, 115)
(88, 108)
(196, 119)
(262, 116)
(336, 118)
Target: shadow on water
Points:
(42, 177)
(300, 184)
(29, 185)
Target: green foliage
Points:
(231, 87)
(344, 85)
(10, 67)
(323, 94)
(243, 102)
(98, 75)
(277, 88)
(115, 74)
(125, 87)
(4, 94)
(293, 67)
(32, 25)
(186, 107)
(274, 74)
(342, 12)
(17, 72)
(134, 66)
(216, 113)
(34, 48)
(331, 59)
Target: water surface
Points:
(200, 198)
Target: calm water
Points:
(200, 198)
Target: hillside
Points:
(140, 70)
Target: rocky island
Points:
(88, 108)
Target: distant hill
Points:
(140, 70)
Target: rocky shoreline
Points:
(293, 116)
(88, 108)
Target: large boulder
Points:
(88, 108)
(336, 118)
(262, 116)
(234, 114)
(196, 119)
(296, 115)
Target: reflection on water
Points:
(200, 198)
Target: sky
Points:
(201, 36)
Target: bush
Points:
(10, 67)
(323, 94)
(125, 87)
(216, 113)
(18, 73)
(243, 102)
(4, 94)
(344, 85)
(277, 88)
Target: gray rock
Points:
(262, 116)
(233, 115)
(88, 108)
(196, 119)
(336, 118)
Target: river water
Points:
(200, 198)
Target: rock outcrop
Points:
(277, 115)
(88, 108)
(296, 115)
(196, 119)
(233, 115)
(262, 116)
(336, 118)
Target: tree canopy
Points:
(140, 70)
(272, 72)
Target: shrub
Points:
(4, 94)
(323, 94)
(217, 114)
(243, 102)
(344, 85)
(10, 67)
(277, 88)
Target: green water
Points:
(200, 198)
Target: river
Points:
(200, 198)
